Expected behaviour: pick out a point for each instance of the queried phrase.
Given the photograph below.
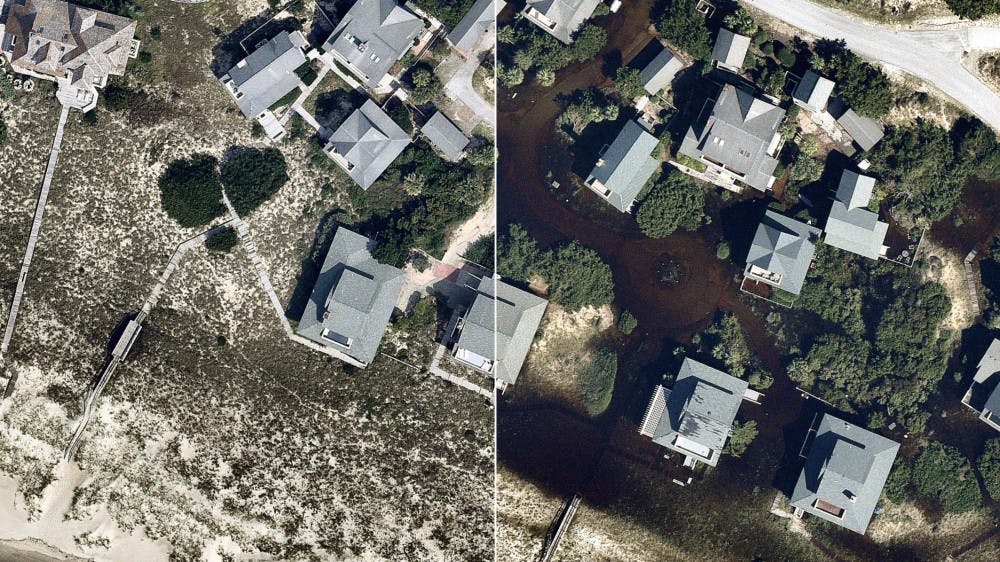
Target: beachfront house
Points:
(443, 135)
(781, 252)
(560, 18)
(851, 226)
(983, 395)
(730, 50)
(625, 166)
(473, 26)
(366, 143)
(660, 71)
(813, 92)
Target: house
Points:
(371, 37)
(625, 167)
(730, 50)
(473, 26)
(695, 417)
(738, 140)
(366, 143)
(865, 131)
(445, 136)
(352, 300)
(497, 330)
(560, 18)
(267, 75)
(781, 252)
(813, 92)
(660, 71)
(845, 471)
(75, 47)
(983, 395)
(851, 225)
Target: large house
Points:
(473, 26)
(730, 50)
(560, 18)
(352, 300)
(738, 140)
(660, 71)
(268, 74)
(845, 471)
(366, 143)
(696, 416)
(851, 225)
(371, 37)
(813, 92)
(75, 47)
(781, 252)
(625, 167)
(496, 332)
(984, 394)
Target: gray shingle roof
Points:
(741, 134)
(369, 140)
(372, 36)
(267, 74)
(865, 131)
(353, 297)
(730, 48)
(988, 373)
(567, 16)
(514, 316)
(851, 225)
(626, 165)
(473, 25)
(445, 136)
(813, 91)
(661, 71)
(845, 460)
(701, 408)
(784, 246)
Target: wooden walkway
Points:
(970, 278)
(36, 226)
(554, 536)
(435, 369)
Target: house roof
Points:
(268, 73)
(988, 373)
(741, 133)
(354, 297)
(627, 165)
(701, 407)
(445, 136)
(473, 25)
(865, 131)
(373, 35)
(67, 41)
(500, 326)
(730, 48)
(814, 91)
(785, 246)
(370, 141)
(845, 460)
(851, 225)
(567, 16)
(661, 71)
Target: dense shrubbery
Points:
(481, 251)
(450, 12)
(974, 9)
(584, 107)
(576, 275)
(627, 322)
(424, 84)
(684, 26)
(3, 132)
(252, 177)
(676, 202)
(222, 241)
(190, 191)
(597, 380)
(533, 50)
(942, 473)
(897, 486)
(989, 467)
(726, 340)
(628, 83)
(742, 436)
(865, 88)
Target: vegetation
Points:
(974, 9)
(942, 473)
(897, 486)
(726, 341)
(286, 99)
(534, 51)
(741, 438)
(481, 251)
(118, 98)
(576, 275)
(865, 88)
(722, 250)
(190, 191)
(597, 380)
(424, 84)
(676, 202)
(252, 177)
(423, 315)
(222, 241)
(399, 114)
(584, 107)
(684, 26)
(450, 12)
(627, 322)
(989, 467)
(628, 83)
(306, 73)
(3, 132)
(740, 21)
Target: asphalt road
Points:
(934, 56)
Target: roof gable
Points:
(626, 165)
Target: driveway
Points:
(934, 56)
(459, 87)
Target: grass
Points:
(874, 10)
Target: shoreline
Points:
(34, 550)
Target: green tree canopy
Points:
(942, 473)
(222, 241)
(684, 26)
(865, 88)
(628, 83)
(676, 202)
(974, 9)
(251, 177)
(190, 191)
(989, 467)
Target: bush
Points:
(423, 315)
(898, 484)
(400, 114)
(3, 131)
(627, 322)
(865, 88)
(722, 250)
(673, 203)
(628, 83)
(785, 56)
(190, 191)
(973, 9)
(252, 177)
(989, 467)
(118, 98)
(450, 12)
(222, 241)
(286, 99)
(942, 473)
(585, 107)
(597, 380)
(684, 26)
(481, 251)
(424, 84)
(742, 436)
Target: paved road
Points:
(934, 56)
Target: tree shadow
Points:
(333, 107)
(612, 62)
(313, 262)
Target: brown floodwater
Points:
(604, 458)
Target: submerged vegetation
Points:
(534, 52)
(672, 203)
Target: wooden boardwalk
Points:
(36, 226)
(555, 535)
(435, 368)
(970, 278)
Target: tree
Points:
(740, 21)
(684, 26)
(586, 107)
(482, 155)
(627, 322)
(425, 85)
(742, 436)
(509, 75)
(722, 250)
(546, 77)
(628, 83)
(865, 88)
(942, 473)
(251, 177)
(588, 42)
(222, 241)
(898, 483)
(190, 191)
(989, 467)
(673, 203)
(3, 130)
(481, 251)
(973, 9)
(785, 56)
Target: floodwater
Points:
(563, 450)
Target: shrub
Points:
(399, 114)
(222, 241)
(597, 380)
(3, 131)
(785, 56)
(481, 251)
(627, 322)
(252, 177)
(942, 473)
(424, 84)
(190, 191)
(673, 203)
(118, 98)
(865, 88)
(742, 436)
(898, 483)
(628, 83)
(683, 25)
(989, 467)
(722, 250)
(973, 9)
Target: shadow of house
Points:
(739, 224)
(235, 46)
(333, 107)
(313, 263)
